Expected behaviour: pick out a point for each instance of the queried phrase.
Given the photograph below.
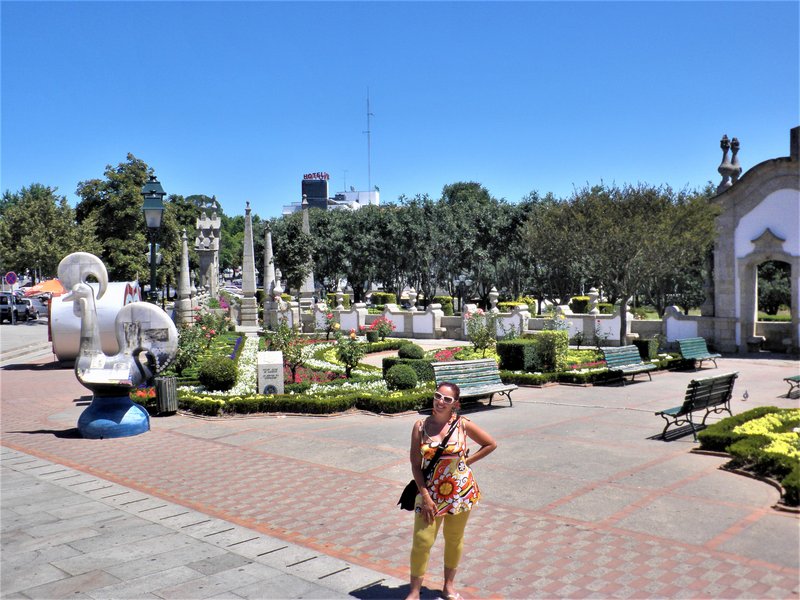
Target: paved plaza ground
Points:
(581, 500)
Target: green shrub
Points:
(390, 344)
(411, 351)
(548, 353)
(511, 305)
(401, 377)
(511, 353)
(287, 298)
(648, 349)
(583, 378)
(330, 298)
(218, 373)
(580, 304)
(447, 304)
(207, 408)
(422, 367)
(383, 298)
(605, 308)
(718, 436)
(791, 487)
(526, 378)
(411, 400)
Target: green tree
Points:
(112, 208)
(630, 235)
(774, 286)
(38, 229)
(291, 249)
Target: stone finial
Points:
(736, 168)
(493, 296)
(724, 166)
(412, 299)
(339, 298)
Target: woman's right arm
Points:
(428, 507)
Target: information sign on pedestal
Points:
(270, 372)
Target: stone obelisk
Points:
(248, 317)
(269, 263)
(307, 291)
(184, 304)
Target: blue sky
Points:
(239, 100)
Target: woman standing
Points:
(450, 492)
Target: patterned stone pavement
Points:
(579, 500)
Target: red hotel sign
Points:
(316, 176)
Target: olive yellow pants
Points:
(425, 535)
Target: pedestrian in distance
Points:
(447, 497)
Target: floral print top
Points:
(452, 487)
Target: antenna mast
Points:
(369, 148)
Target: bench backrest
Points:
(691, 347)
(467, 372)
(624, 355)
(709, 391)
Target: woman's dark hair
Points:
(452, 386)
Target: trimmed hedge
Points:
(718, 436)
(411, 350)
(218, 373)
(401, 377)
(579, 304)
(447, 304)
(747, 451)
(527, 378)
(648, 349)
(511, 353)
(605, 308)
(548, 353)
(421, 366)
(415, 399)
(382, 298)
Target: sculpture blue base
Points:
(113, 417)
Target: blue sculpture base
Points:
(113, 417)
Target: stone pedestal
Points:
(270, 372)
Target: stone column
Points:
(207, 246)
(248, 316)
(307, 290)
(184, 304)
(269, 264)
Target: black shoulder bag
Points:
(409, 495)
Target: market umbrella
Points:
(51, 286)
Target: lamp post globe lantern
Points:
(153, 209)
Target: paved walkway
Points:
(580, 500)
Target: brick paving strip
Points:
(553, 524)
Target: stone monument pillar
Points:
(269, 264)
(184, 305)
(307, 291)
(248, 316)
(207, 246)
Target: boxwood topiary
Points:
(422, 366)
(511, 353)
(401, 377)
(411, 351)
(218, 373)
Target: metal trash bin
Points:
(166, 395)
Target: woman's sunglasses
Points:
(443, 398)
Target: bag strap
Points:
(429, 469)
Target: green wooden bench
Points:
(626, 360)
(475, 378)
(794, 384)
(695, 349)
(712, 394)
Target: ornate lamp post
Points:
(153, 210)
(464, 285)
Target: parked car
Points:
(8, 308)
(26, 309)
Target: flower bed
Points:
(764, 441)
